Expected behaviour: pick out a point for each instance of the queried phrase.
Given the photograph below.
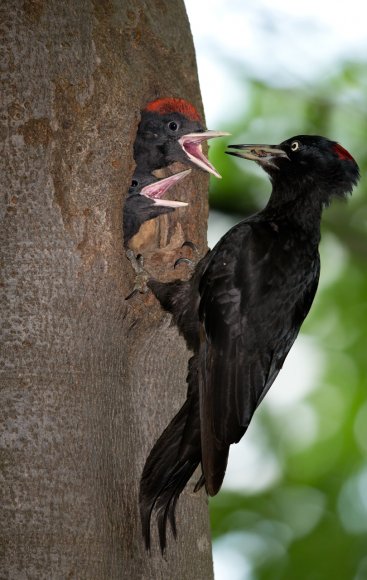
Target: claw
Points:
(131, 294)
(194, 248)
(142, 276)
(184, 261)
(191, 263)
(190, 245)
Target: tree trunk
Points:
(88, 380)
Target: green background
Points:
(310, 521)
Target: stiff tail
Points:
(169, 466)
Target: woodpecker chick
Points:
(144, 201)
(240, 314)
(171, 130)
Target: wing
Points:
(255, 294)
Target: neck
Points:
(299, 208)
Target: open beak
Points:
(263, 154)
(156, 190)
(191, 144)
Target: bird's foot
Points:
(190, 263)
(193, 247)
(142, 276)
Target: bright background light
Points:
(288, 41)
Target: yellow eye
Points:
(295, 146)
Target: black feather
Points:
(137, 210)
(240, 314)
(170, 464)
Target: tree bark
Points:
(88, 380)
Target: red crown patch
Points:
(342, 153)
(172, 105)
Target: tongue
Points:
(195, 153)
(191, 144)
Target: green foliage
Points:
(310, 524)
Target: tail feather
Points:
(200, 483)
(166, 503)
(167, 470)
(170, 464)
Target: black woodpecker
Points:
(171, 130)
(240, 313)
(144, 201)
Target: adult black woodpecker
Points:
(144, 201)
(171, 130)
(240, 313)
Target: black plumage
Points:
(171, 130)
(240, 313)
(144, 201)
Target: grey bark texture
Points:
(88, 380)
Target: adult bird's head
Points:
(305, 164)
(171, 130)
